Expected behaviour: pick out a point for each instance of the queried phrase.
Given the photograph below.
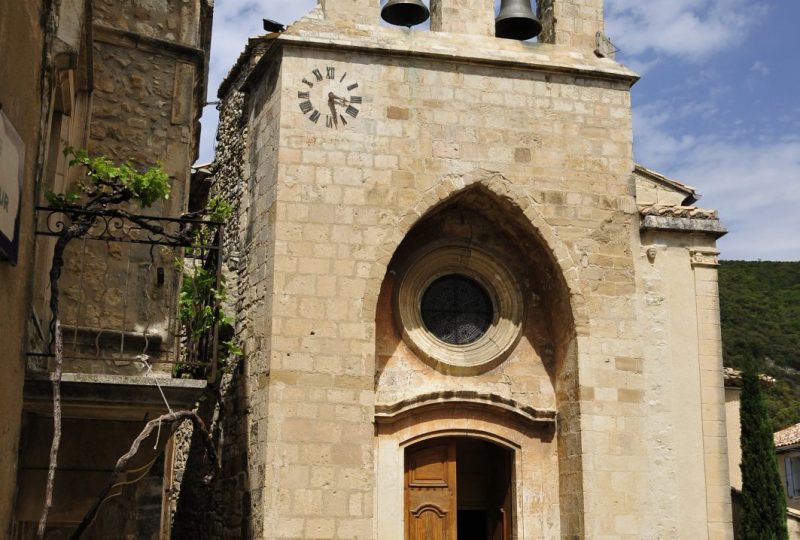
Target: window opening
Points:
(456, 309)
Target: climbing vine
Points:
(104, 190)
(201, 291)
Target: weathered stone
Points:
(448, 148)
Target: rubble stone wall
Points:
(143, 110)
(172, 20)
(223, 509)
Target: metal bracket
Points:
(605, 48)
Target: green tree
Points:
(763, 503)
(760, 314)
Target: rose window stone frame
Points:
(480, 266)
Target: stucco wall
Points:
(22, 42)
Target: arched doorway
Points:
(474, 338)
(458, 488)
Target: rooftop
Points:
(787, 437)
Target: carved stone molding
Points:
(391, 412)
(681, 219)
(499, 284)
(704, 257)
(691, 212)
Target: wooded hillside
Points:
(760, 311)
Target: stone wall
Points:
(148, 74)
(143, 108)
(346, 198)
(571, 23)
(173, 20)
(146, 94)
(222, 510)
(466, 137)
(218, 508)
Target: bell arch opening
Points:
(483, 246)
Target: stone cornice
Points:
(691, 212)
(682, 219)
(116, 36)
(314, 32)
(120, 397)
(467, 49)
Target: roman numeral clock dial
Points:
(330, 96)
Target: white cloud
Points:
(689, 28)
(235, 21)
(760, 67)
(753, 182)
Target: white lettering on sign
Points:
(12, 159)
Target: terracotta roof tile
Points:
(788, 436)
(733, 378)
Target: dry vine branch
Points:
(108, 187)
(178, 416)
(78, 228)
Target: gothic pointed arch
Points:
(518, 204)
(476, 310)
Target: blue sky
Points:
(718, 106)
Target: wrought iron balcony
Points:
(138, 294)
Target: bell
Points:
(516, 20)
(405, 12)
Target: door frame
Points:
(393, 438)
(449, 444)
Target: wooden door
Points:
(430, 479)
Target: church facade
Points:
(462, 305)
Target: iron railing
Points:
(127, 296)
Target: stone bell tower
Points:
(453, 313)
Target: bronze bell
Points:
(516, 20)
(405, 12)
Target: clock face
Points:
(330, 96)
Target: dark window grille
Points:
(456, 309)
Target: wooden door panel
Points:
(428, 523)
(431, 491)
(429, 467)
(432, 500)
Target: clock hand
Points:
(332, 106)
(337, 99)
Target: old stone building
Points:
(125, 79)
(462, 305)
(463, 308)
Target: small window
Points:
(792, 465)
(457, 310)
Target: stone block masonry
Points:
(459, 139)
